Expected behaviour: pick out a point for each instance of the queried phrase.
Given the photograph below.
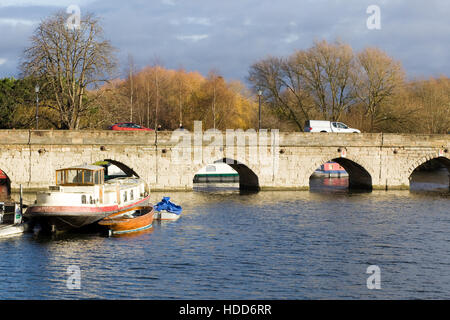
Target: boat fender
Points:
(17, 215)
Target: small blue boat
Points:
(166, 210)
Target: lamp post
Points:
(259, 117)
(36, 89)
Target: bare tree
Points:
(70, 61)
(377, 80)
(281, 88)
(317, 81)
(131, 72)
(432, 98)
(326, 70)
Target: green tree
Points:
(7, 102)
(17, 102)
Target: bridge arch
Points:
(248, 179)
(122, 164)
(128, 171)
(445, 161)
(429, 162)
(358, 176)
(5, 185)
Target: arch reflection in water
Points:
(341, 173)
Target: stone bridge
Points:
(265, 160)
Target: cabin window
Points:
(83, 199)
(131, 195)
(125, 196)
(88, 177)
(59, 177)
(79, 177)
(210, 168)
(75, 176)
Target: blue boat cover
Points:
(165, 204)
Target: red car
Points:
(128, 126)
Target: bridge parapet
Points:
(167, 138)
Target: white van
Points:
(328, 126)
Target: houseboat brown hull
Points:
(119, 224)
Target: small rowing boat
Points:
(11, 222)
(7, 230)
(166, 210)
(132, 220)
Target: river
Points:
(313, 244)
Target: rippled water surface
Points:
(268, 245)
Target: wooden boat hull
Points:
(63, 218)
(120, 223)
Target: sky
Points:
(228, 36)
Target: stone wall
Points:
(169, 160)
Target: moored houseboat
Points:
(217, 173)
(81, 196)
(3, 177)
(330, 169)
(4, 188)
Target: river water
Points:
(313, 244)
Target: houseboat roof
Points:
(217, 168)
(84, 167)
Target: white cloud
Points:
(193, 38)
(199, 20)
(247, 22)
(15, 22)
(291, 38)
(191, 20)
(2, 61)
(168, 2)
(43, 3)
